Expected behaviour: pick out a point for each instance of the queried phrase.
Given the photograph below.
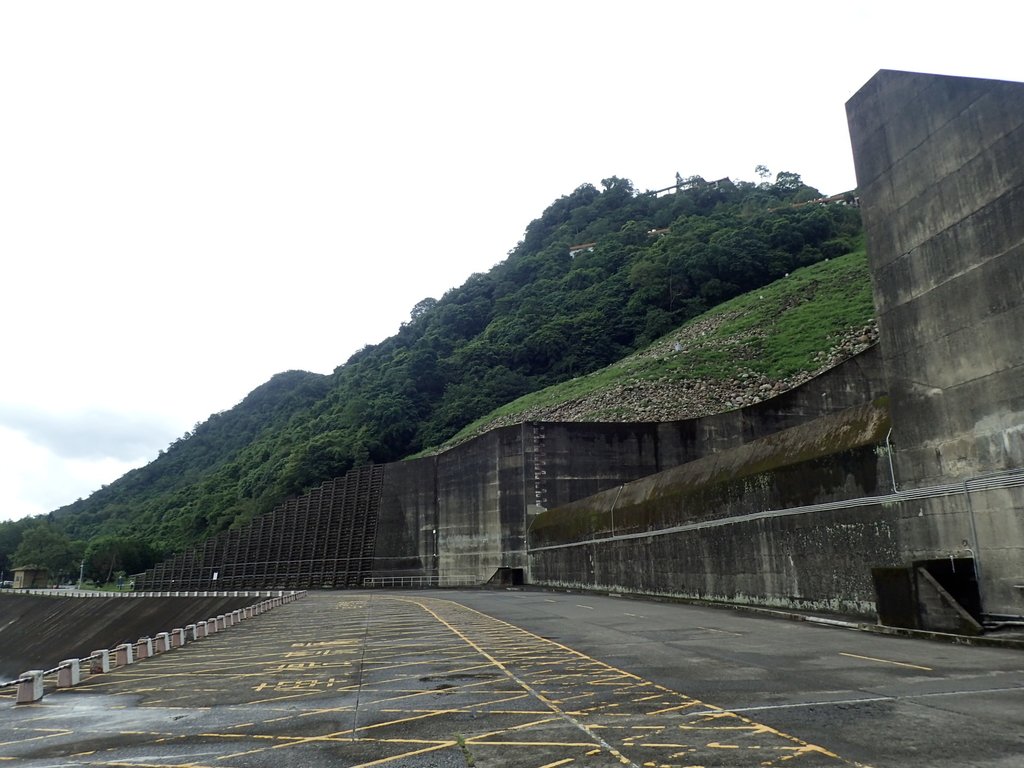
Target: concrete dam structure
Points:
(891, 483)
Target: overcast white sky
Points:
(197, 195)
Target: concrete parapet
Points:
(222, 622)
(144, 648)
(178, 637)
(99, 662)
(69, 673)
(30, 687)
(211, 627)
(162, 643)
(123, 655)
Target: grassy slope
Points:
(744, 350)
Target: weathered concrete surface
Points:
(941, 177)
(464, 513)
(39, 631)
(410, 681)
(688, 533)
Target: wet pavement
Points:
(403, 680)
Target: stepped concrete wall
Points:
(941, 177)
(941, 184)
(712, 528)
(464, 513)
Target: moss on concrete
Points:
(794, 467)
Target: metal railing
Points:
(56, 592)
(1013, 478)
(398, 582)
(282, 596)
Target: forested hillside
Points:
(602, 273)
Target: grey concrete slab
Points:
(877, 700)
(530, 679)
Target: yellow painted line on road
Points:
(560, 762)
(676, 708)
(393, 758)
(555, 708)
(435, 713)
(658, 745)
(802, 746)
(478, 743)
(887, 661)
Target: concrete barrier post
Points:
(211, 627)
(30, 687)
(69, 673)
(198, 630)
(238, 617)
(163, 642)
(99, 662)
(177, 637)
(123, 655)
(222, 622)
(143, 648)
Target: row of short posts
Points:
(30, 684)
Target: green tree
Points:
(47, 546)
(106, 555)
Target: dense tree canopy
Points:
(550, 311)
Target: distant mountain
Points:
(602, 273)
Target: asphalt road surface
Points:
(531, 679)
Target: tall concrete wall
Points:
(464, 513)
(751, 524)
(940, 166)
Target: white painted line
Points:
(886, 661)
(866, 700)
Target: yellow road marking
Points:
(407, 754)
(887, 661)
(691, 702)
(523, 683)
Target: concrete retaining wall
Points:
(941, 176)
(694, 531)
(38, 630)
(462, 514)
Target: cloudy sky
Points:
(197, 195)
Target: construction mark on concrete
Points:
(385, 680)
